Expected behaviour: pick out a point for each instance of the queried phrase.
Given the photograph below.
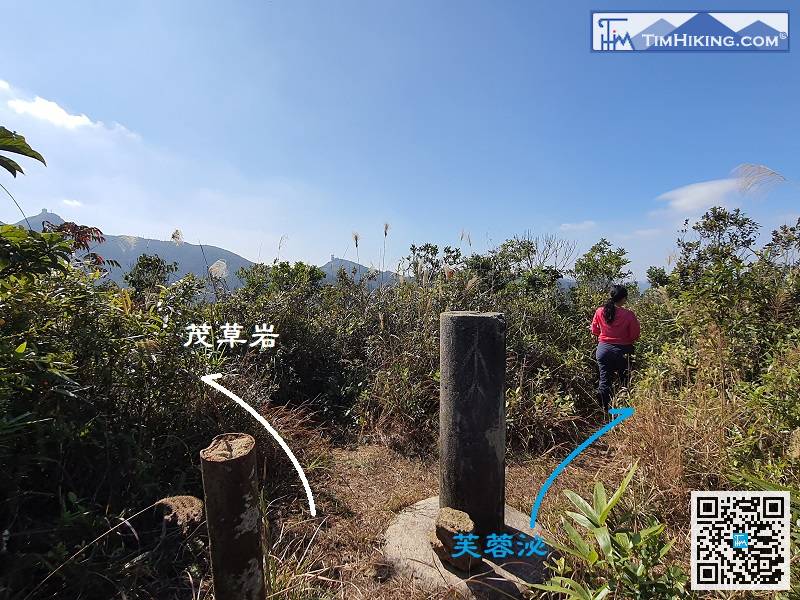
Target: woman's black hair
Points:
(617, 294)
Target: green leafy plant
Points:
(12, 142)
(24, 253)
(611, 559)
(149, 273)
(102, 412)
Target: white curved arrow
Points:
(211, 380)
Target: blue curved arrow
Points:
(623, 413)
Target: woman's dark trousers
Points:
(613, 361)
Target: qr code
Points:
(740, 540)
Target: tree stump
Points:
(233, 516)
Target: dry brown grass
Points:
(676, 439)
(680, 436)
(364, 488)
(357, 497)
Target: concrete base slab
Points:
(409, 551)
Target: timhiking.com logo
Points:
(690, 31)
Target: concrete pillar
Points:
(472, 416)
(233, 515)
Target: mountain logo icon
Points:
(687, 31)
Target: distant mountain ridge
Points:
(356, 271)
(191, 258)
(126, 249)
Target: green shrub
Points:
(612, 560)
(102, 411)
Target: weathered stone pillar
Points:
(472, 416)
(233, 516)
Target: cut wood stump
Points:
(234, 518)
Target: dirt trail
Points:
(367, 486)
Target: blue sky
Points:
(243, 122)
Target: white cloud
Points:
(697, 197)
(47, 110)
(69, 202)
(136, 187)
(4, 85)
(580, 226)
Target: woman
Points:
(617, 328)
